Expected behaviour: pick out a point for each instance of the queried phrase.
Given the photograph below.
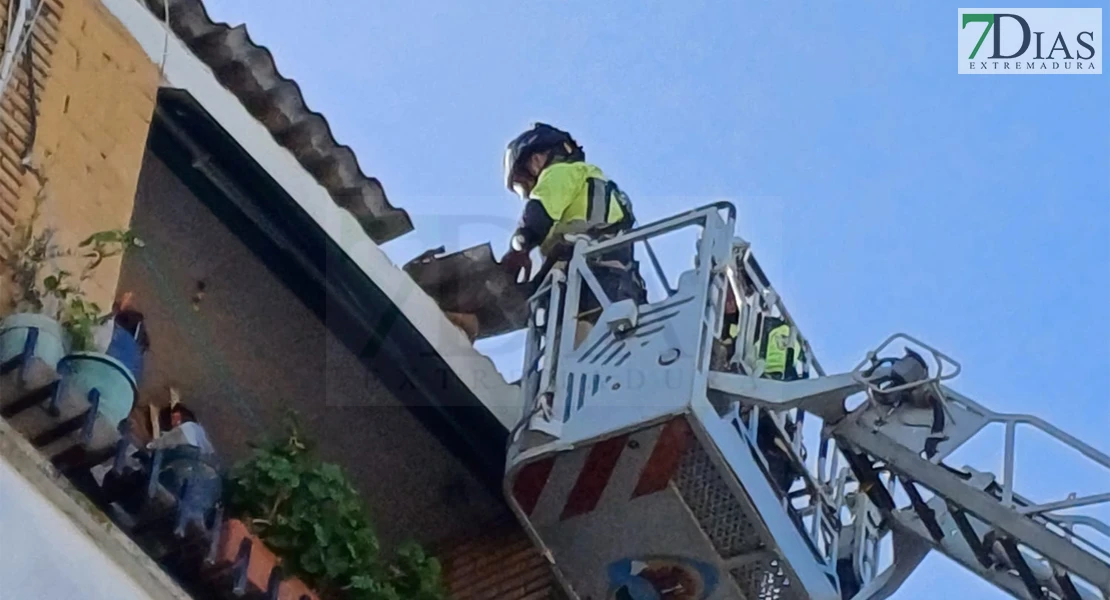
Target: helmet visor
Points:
(517, 179)
(508, 166)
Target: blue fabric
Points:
(196, 484)
(193, 477)
(125, 349)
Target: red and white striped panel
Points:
(609, 472)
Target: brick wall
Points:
(501, 565)
(77, 142)
(16, 115)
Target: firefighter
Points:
(780, 358)
(563, 194)
(725, 344)
(781, 361)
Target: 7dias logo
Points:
(1030, 41)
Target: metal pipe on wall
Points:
(21, 25)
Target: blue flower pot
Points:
(50, 346)
(84, 371)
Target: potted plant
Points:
(24, 258)
(50, 299)
(87, 365)
(310, 515)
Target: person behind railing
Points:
(565, 195)
(124, 337)
(724, 345)
(182, 429)
(781, 360)
(189, 466)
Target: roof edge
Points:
(248, 70)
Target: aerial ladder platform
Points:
(656, 459)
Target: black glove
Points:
(515, 262)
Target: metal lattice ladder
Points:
(1030, 550)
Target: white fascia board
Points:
(183, 70)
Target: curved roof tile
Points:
(247, 69)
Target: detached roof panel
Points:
(247, 70)
(472, 282)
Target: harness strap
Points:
(597, 203)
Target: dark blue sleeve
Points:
(535, 224)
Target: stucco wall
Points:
(250, 350)
(46, 556)
(56, 544)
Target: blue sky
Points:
(882, 191)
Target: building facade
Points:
(260, 276)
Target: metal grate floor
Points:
(730, 529)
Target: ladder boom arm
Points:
(875, 435)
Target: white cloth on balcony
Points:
(185, 434)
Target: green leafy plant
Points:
(31, 261)
(309, 514)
